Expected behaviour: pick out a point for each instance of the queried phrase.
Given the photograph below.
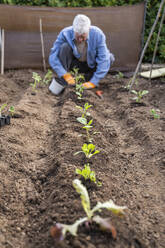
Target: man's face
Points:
(81, 37)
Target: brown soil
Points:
(37, 165)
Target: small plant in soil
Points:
(48, 77)
(139, 95)
(84, 112)
(4, 119)
(155, 113)
(12, 110)
(89, 150)
(79, 79)
(79, 91)
(2, 108)
(119, 75)
(128, 85)
(88, 174)
(59, 231)
(37, 80)
(87, 126)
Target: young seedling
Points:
(59, 231)
(119, 75)
(139, 95)
(12, 110)
(37, 80)
(88, 150)
(2, 108)
(87, 126)
(79, 79)
(127, 87)
(77, 76)
(48, 77)
(154, 113)
(88, 174)
(84, 112)
(79, 90)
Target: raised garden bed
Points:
(38, 165)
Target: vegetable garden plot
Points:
(38, 164)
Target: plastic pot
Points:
(7, 120)
(2, 121)
(57, 85)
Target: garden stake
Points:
(42, 45)
(2, 44)
(146, 45)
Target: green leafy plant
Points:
(79, 79)
(87, 126)
(84, 109)
(37, 80)
(87, 173)
(2, 108)
(128, 85)
(154, 113)
(139, 95)
(48, 77)
(88, 150)
(59, 230)
(119, 75)
(79, 90)
(12, 110)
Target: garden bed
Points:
(37, 164)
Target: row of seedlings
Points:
(58, 232)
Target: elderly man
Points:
(82, 46)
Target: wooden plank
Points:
(155, 73)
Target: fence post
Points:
(42, 45)
(2, 46)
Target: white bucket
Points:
(57, 86)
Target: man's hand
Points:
(69, 79)
(88, 85)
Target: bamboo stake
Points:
(2, 50)
(42, 45)
(157, 41)
(146, 45)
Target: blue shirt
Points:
(97, 52)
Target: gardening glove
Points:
(88, 85)
(69, 79)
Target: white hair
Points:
(81, 24)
